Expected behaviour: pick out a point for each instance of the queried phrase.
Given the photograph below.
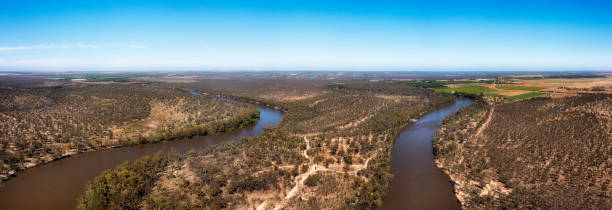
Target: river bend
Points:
(56, 185)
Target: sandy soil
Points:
(510, 92)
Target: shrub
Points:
(312, 180)
(124, 186)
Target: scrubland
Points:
(332, 149)
(525, 143)
(549, 153)
(41, 124)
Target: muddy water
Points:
(57, 185)
(417, 182)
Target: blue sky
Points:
(305, 35)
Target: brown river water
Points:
(417, 183)
(58, 184)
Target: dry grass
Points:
(509, 92)
(289, 96)
(573, 83)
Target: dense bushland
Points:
(58, 121)
(220, 177)
(124, 186)
(332, 149)
(538, 153)
(244, 118)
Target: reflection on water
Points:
(417, 183)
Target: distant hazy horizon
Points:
(306, 36)
(437, 71)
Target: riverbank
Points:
(56, 185)
(339, 138)
(85, 118)
(530, 154)
(332, 149)
(245, 118)
(417, 183)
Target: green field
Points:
(503, 87)
(473, 89)
(516, 97)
